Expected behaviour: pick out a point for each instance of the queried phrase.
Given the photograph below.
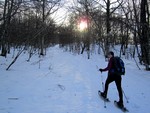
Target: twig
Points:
(19, 53)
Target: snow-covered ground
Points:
(67, 83)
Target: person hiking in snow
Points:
(112, 76)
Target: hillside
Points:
(67, 83)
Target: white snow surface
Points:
(62, 82)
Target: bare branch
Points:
(120, 4)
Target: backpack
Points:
(119, 66)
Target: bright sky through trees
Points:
(82, 25)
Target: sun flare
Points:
(82, 25)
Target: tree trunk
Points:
(42, 37)
(145, 44)
(3, 38)
(107, 27)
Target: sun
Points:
(82, 25)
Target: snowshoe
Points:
(121, 106)
(103, 96)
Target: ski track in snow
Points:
(67, 83)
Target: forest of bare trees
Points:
(28, 25)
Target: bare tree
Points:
(145, 28)
(10, 8)
(44, 9)
(138, 23)
(82, 9)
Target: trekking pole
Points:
(101, 79)
(125, 96)
(103, 89)
(102, 86)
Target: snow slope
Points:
(67, 83)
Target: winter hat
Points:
(111, 53)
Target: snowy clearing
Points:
(67, 83)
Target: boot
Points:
(103, 95)
(120, 104)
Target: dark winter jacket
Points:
(111, 66)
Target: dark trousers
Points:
(117, 79)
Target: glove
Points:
(101, 70)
